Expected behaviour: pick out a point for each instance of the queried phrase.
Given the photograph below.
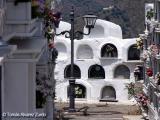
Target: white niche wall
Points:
(84, 52)
(62, 51)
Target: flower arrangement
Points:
(40, 8)
(150, 14)
(78, 92)
(53, 17)
(139, 43)
(136, 91)
(143, 100)
(131, 89)
(146, 54)
(149, 72)
(153, 50)
(109, 48)
(45, 81)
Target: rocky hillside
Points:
(129, 14)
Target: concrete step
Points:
(133, 117)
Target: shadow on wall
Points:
(108, 93)
(122, 72)
(84, 52)
(62, 51)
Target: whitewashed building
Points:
(104, 63)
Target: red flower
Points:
(51, 45)
(149, 72)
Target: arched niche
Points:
(108, 93)
(84, 52)
(62, 51)
(96, 72)
(122, 72)
(80, 91)
(76, 72)
(133, 53)
(109, 50)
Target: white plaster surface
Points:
(103, 33)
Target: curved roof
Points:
(104, 29)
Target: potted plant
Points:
(131, 89)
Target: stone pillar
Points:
(19, 88)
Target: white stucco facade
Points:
(88, 52)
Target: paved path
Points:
(95, 117)
(101, 112)
(133, 117)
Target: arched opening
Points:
(133, 53)
(108, 93)
(84, 52)
(96, 72)
(109, 50)
(76, 72)
(62, 51)
(122, 72)
(139, 73)
(80, 91)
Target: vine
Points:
(137, 92)
(51, 20)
